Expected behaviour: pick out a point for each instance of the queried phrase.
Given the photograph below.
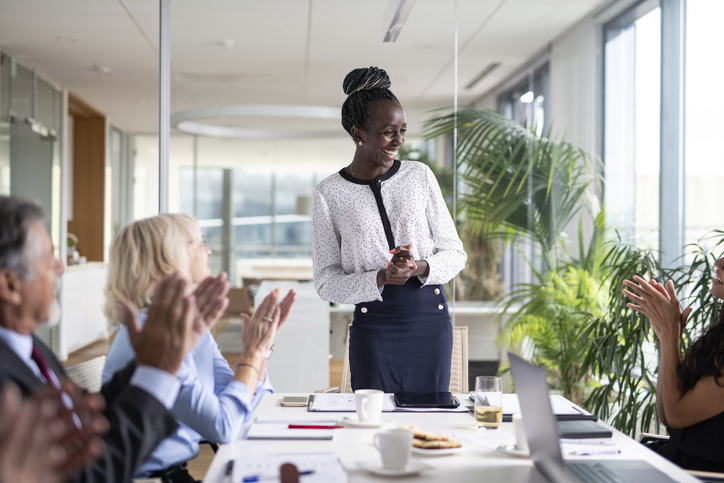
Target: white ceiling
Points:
(282, 54)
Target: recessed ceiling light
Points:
(228, 44)
(102, 70)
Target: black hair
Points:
(364, 87)
(16, 216)
(704, 358)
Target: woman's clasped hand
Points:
(403, 266)
(660, 304)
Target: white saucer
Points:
(413, 467)
(512, 450)
(353, 422)
(438, 452)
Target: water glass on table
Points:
(488, 402)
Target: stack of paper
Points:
(277, 427)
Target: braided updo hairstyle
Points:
(364, 87)
(704, 358)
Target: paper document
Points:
(277, 427)
(343, 402)
(322, 467)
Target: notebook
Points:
(277, 427)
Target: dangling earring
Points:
(360, 143)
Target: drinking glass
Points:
(488, 402)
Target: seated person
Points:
(215, 400)
(138, 399)
(689, 391)
(39, 440)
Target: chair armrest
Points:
(327, 390)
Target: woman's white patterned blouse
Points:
(349, 244)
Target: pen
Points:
(304, 426)
(587, 441)
(587, 452)
(229, 470)
(255, 478)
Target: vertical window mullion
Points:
(673, 21)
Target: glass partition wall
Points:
(30, 126)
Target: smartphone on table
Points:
(295, 401)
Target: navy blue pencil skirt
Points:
(403, 343)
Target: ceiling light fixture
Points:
(527, 98)
(228, 44)
(483, 73)
(102, 70)
(186, 121)
(395, 17)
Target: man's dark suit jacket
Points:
(138, 422)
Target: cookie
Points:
(425, 435)
(448, 444)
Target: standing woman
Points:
(383, 239)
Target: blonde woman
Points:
(215, 400)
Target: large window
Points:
(632, 99)
(704, 118)
(247, 216)
(526, 103)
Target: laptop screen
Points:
(540, 425)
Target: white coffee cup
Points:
(369, 404)
(521, 441)
(394, 446)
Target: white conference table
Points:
(475, 463)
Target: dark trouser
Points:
(175, 474)
(403, 343)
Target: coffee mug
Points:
(394, 446)
(369, 405)
(521, 441)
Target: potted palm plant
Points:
(573, 318)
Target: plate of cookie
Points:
(428, 443)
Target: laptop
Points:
(542, 433)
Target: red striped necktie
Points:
(42, 365)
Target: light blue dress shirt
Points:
(159, 384)
(209, 406)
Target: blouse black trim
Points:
(376, 185)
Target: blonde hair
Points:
(143, 253)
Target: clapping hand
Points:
(168, 333)
(41, 439)
(660, 304)
(211, 301)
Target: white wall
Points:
(575, 85)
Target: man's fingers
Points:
(130, 320)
